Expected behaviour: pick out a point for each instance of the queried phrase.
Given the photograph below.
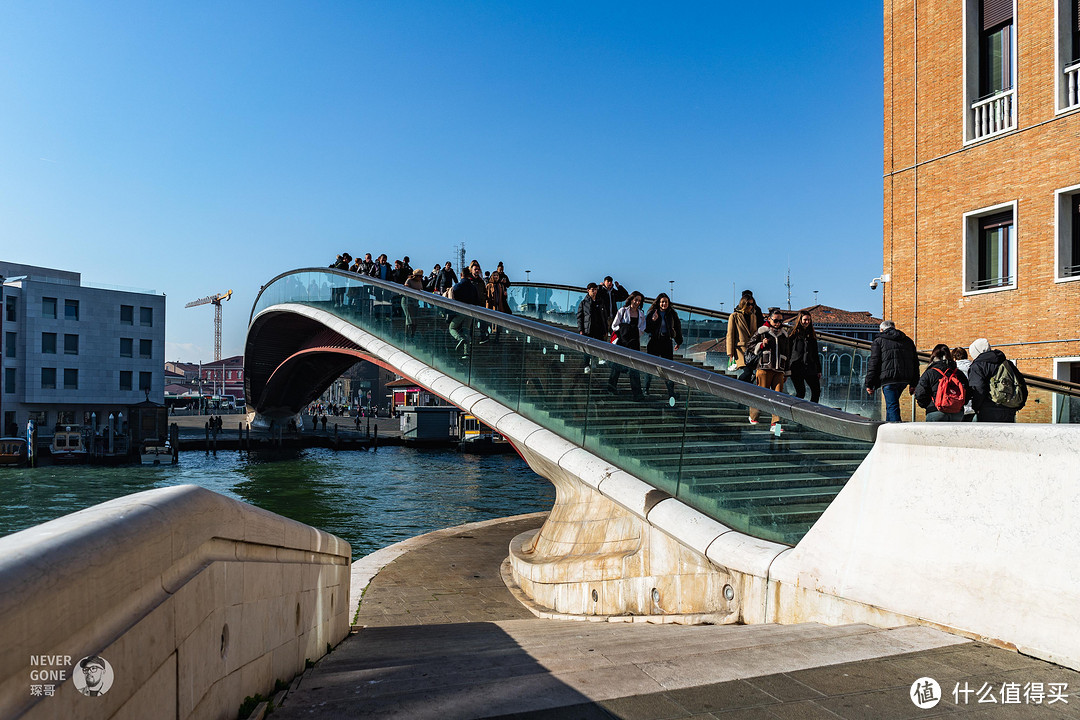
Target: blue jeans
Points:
(892, 393)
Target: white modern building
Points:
(73, 351)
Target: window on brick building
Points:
(127, 315)
(146, 348)
(1068, 234)
(995, 47)
(71, 309)
(1067, 68)
(145, 381)
(48, 343)
(990, 51)
(48, 378)
(126, 345)
(48, 307)
(71, 344)
(125, 379)
(990, 249)
(71, 379)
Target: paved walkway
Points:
(193, 426)
(443, 638)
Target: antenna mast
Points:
(789, 287)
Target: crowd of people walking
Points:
(762, 349)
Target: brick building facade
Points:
(982, 177)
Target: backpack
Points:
(1005, 389)
(949, 397)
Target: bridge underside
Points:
(291, 360)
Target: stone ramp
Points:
(444, 639)
(471, 670)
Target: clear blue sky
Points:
(200, 146)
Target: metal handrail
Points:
(804, 412)
(1063, 387)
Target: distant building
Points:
(982, 177)
(858, 324)
(187, 371)
(73, 351)
(223, 377)
(406, 393)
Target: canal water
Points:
(370, 499)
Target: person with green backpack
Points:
(998, 389)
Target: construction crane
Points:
(215, 300)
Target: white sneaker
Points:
(753, 421)
(587, 370)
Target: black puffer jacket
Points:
(804, 354)
(981, 372)
(892, 360)
(926, 390)
(591, 319)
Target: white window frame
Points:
(970, 71)
(970, 233)
(1056, 404)
(1062, 231)
(1062, 51)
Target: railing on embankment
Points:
(843, 359)
(194, 600)
(697, 447)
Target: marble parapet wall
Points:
(194, 599)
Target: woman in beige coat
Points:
(743, 323)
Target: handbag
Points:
(750, 357)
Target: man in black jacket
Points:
(893, 364)
(983, 368)
(592, 321)
(610, 295)
(447, 278)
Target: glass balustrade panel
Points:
(772, 482)
(634, 420)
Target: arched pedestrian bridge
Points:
(679, 507)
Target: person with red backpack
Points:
(943, 388)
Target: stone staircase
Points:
(702, 450)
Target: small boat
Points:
(12, 451)
(155, 453)
(67, 446)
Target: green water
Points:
(370, 499)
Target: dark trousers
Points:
(635, 380)
(800, 379)
(748, 373)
